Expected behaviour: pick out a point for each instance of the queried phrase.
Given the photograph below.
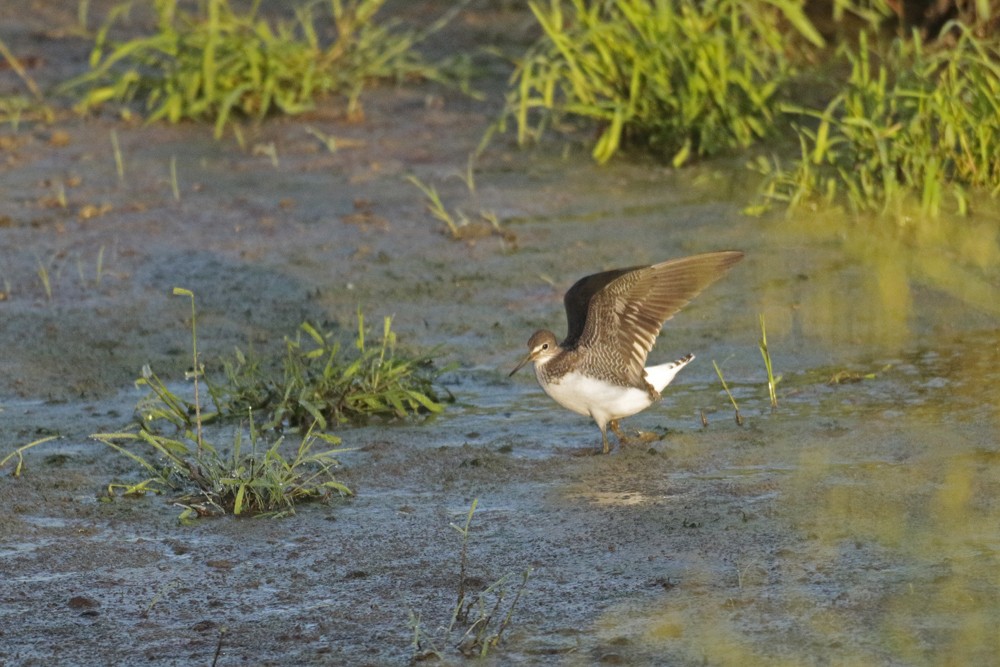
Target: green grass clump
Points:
(321, 383)
(318, 383)
(316, 388)
(918, 127)
(263, 480)
(683, 77)
(217, 60)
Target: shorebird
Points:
(600, 370)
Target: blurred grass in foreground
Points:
(219, 61)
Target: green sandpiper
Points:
(600, 370)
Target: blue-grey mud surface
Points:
(856, 523)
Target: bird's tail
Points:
(662, 375)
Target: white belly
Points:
(604, 401)
(600, 400)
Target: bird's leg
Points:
(604, 437)
(618, 432)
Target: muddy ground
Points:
(807, 536)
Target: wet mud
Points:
(853, 524)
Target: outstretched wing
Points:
(627, 311)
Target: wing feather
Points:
(632, 305)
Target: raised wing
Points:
(632, 306)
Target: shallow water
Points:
(856, 523)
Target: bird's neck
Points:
(544, 368)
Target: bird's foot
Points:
(640, 437)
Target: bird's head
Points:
(542, 346)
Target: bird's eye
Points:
(545, 346)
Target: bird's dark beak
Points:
(520, 365)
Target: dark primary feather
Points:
(577, 301)
(631, 306)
